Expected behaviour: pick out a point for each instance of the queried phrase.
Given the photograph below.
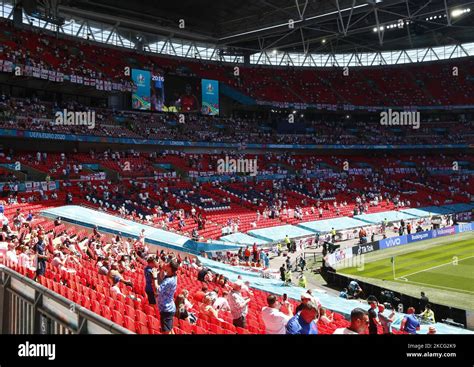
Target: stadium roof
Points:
(248, 26)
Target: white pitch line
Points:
(440, 286)
(434, 267)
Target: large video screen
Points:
(155, 91)
(210, 97)
(182, 94)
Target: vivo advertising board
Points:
(392, 242)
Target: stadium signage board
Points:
(464, 227)
(444, 231)
(365, 248)
(420, 236)
(393, 242)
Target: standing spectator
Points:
(423, 302)
(410, 323)
(246, 254)
(385, 321)
(221, 303)
(166, 283)
(373, 322)
(238, 305)
(286, 306)
(282, 273)
(149, 280)
(40, 249)
(359, 322)
(272, 316)
(304, 321)
(305, 298)
(302, 280)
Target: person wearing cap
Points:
(165, 284)
(305, 298)
(238, 305)
(304, 322)
(272, 316)
(359, 323)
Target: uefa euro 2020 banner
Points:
(210, 97)
(141, 91)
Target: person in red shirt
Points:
(247, 254)
(199, 295)
(189, 102)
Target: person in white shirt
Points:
(115, 288)
(275, 321)
(11, 255)
(359, 323)
(221, 303)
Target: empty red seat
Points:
(130, 311)
(142, 329)
(117, 317)
(153, 323)
(140, 317)
(105, 311)
(129, 323)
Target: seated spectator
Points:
(189, 306)
(354, 289)
(199, 295)
(115, 287)
(208, 310)
(181, 311)
(274, 319)
(324, 318)
(343, 294)
(304, 321)
(359, 323)
(114, 272)
(427, 316)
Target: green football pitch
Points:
(445, 266)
